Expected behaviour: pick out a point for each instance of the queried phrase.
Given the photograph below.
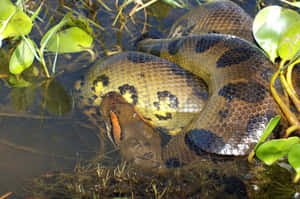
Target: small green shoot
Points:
(268, 130)
(271, 151)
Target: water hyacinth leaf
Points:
(289, 43)
(13, 21)
(268, 130)
(22, 57)
(7, 8)
(70, 40)
(269, 25)
(271, 151)
(294, 157)
(53, 31)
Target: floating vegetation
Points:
(211, 179)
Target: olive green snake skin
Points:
(210, 46)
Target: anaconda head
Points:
(139, 142)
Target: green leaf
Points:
(13, 21)
(294, 157)
(52, 32)
(7, 8)
(268, 130)
(271, 151)
(269, 25)
(69, 41)
(22, 57)
(289, 43)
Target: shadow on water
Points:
(50, 150)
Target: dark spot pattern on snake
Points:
(200, 139)
(204, 44)
(156, 49)
(223, 114)
(137, 58)
(213, 32)
(168, 116)
(252, 92)
(173, 163)
(169, 98)
(175, 45)
(130, 89)
(235, 56)
(90, 101)
(102, 78)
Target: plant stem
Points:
(250, 156)
(296, 178)
(288, 113)
(44, 66)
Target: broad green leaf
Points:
(7, 8)
(13, 21)
(52, 32)
(69, 41)
(269, 25)
(294, 157)
(289, 43)
(22, 57)
(271, 151)
(268, 130)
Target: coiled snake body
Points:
(228, 120)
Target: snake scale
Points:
(208, 48)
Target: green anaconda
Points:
(210, 46)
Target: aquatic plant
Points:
(277, 31)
